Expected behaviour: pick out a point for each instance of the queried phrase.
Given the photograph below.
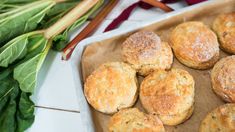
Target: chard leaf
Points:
(27, 72)
(8, 5)
(22, 19)
(8, 94)
(25, 114)
(16, 105)
(30, 44)
(13, 50)
(61, 8)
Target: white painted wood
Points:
(56, 121)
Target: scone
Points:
(223, 78)
(224, 26)
(133, 120)
(220, 120)
(111, 87)
(169, 94)
(146, 52)
(195, 45)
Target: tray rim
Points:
(75, 61)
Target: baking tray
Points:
(96, 50)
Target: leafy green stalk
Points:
(30, 51)
(56, 12)
(16, 104)
(61, 41)
(23, 19)
(26, 72)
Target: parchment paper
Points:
(109, 50)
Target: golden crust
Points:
(133, 120)
(195, 45)
(223, 78)
(224, 26)
(220, 120)
(169, 94)
(177, 118)
(111, 87)
(146, 53)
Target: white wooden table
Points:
(56, 101)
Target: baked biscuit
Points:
(195, 45)
(224, 26)
(111, 87)
(220, 120)
(133, 120)
(169, 94)
(223, 78)
(146, 53)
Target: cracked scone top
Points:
(111, 87)
(220, 120)
(169, 94)
(223, 78)
(146, 52)
(133, 120)
(195, 45)
(224, 26)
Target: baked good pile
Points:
(167, 94)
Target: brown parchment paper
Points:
(109, 50)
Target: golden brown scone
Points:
(224, 26)
(133, 120)
(169, 94)
(223, 78)
(220, 120)
(146, 53)
(195, 45)
(111, 87)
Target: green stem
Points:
(69, 18)
(34, 33)
(44, 54)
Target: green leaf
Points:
(13, 50)
(23, 19)
(25, 112)
(27, 72)
(62, 7)
(30, 44)
(16, 107)
(8, 5)
(8, 95)
(7, 119)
